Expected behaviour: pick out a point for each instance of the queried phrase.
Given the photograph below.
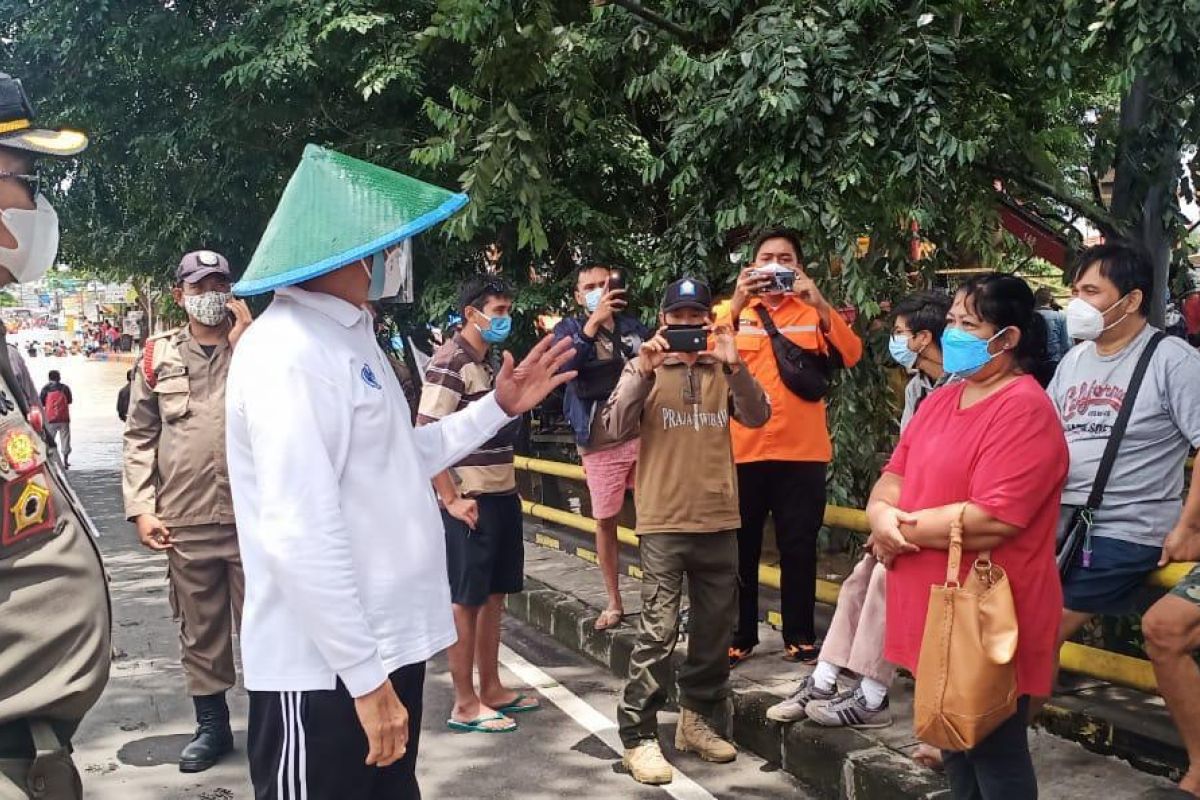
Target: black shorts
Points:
(311, 745)
(490, 559)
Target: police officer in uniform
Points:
(55, 618)
(176, 487)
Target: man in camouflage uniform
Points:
(55, 618)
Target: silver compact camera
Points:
(782, 278)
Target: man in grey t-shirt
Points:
(1140, 523)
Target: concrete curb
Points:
(834, 762)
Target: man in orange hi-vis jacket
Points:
(781, 466)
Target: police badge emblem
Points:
(20, 451)
(28, 508)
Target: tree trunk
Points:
(1142, 190)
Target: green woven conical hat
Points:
(336, 210)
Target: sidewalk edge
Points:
(833, 762)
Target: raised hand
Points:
(748, 285)
(806, 289)
(724, 346)
(652, 353)
(520, 387)
(612, 302)
(241, 319)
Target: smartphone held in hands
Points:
(686, 338)
(616, 283)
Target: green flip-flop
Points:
(479, 725)
(515, 706)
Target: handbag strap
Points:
(1096, 497)
(772, 330)
(954, 551)
(767, 323)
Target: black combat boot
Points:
(213, 738)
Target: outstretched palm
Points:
(521, 387)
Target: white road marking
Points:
(591, 720)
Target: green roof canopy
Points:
(336, 210)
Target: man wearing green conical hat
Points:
(55, 622)
(347, 593)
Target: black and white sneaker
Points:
(849, 710)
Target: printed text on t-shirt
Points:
(1091, 394)
(675, 419)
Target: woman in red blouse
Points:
(991, 440)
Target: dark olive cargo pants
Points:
(709, 561)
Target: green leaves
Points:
(659, 141)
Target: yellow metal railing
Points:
(1092, 661)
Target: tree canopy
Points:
(655, 134)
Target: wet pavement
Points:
(95, 428)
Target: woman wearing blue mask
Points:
(989, 450)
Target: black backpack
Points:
(597, 378)
(806, 373)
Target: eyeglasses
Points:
(34, 182)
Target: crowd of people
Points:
(277, 465)
(984, 450)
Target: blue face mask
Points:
(898, 348)
(964, 354)
(591, 300)
(497, 330)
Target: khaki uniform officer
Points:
(54, 611)
(176, 486)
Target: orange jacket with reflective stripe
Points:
(797, 430)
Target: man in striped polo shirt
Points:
(481, 511)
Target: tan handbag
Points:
(966, 676)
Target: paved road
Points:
(128, 745)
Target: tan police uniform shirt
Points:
(55, 625)
(175, 464)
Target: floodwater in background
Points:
(95, 428)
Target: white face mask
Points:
(1086, 322)
(36, 233)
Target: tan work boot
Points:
(695, 735)
(646, 764)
